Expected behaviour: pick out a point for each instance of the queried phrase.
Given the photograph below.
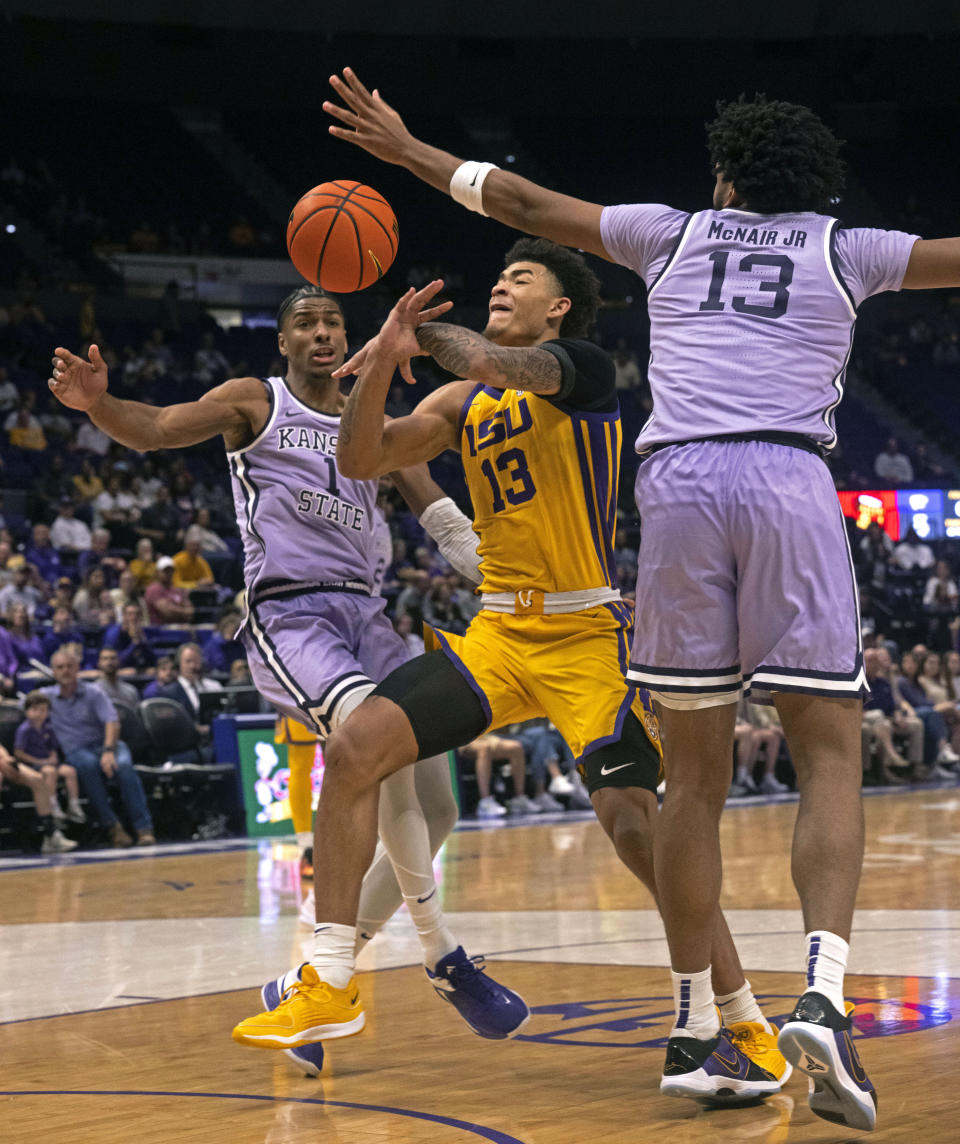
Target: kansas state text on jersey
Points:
(751, 316)
(299, 518)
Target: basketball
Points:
(342, 236)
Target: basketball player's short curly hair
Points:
(577, 281)
(296, 295)
(779, 156)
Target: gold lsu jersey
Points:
(543, 481)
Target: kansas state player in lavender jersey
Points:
(316, 637)
(745, 583)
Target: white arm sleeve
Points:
(455, 537)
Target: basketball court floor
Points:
(122, 973)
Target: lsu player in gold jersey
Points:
(537, 424)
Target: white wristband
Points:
(466, 184)
(455, 537)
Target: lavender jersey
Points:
(751, 316)
(299, 518)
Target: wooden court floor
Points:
(120, 981)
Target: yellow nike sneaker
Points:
(308, 1010)
(755, 1042)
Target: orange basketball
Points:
(342, 236)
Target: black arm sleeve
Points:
(588, 376)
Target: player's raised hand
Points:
(78, 384)
(398, 334)
(369, 121)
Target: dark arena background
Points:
(149, 157)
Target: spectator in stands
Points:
(90, 439)
(63, 630)
(115, 509)
(24, 429)
(166, 674)
(167, 604)
(876, 549)
(241, 236)
(190, 683)
(940, 602)
(223, 649)
(22, 589)
(911, 554)
(87, 484)
(90, 597)
(9, 394)
(126, 592)
(442, 611)
(8, 664)
(190, 570)
(42, 554)
(926, 472)
(625, 366)
(54, 840)
(161, 522)
(892, 467)
(68, 533)
(35, 748)
(412, 599)
(403, 626)
(884, 714)
(98, 556)
(128, 639)
(86, 725)
(121, 694)
(210, 367)
(545, 750)
(489, 747)
(214, 549)
(144, 566)
(26, 643)
(765, 735)
(6, 568)
(910, 686)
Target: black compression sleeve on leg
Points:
(443, 709)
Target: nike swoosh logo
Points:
(428, 897)
(610, 770)
(473, 181)
(355, 998)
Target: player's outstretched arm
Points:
(471, 355)
(371, 123)
(82, 385)
(934, 262)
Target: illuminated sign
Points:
(931, 513)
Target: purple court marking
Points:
(492, 1134)
(616, 1022)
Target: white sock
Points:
(332, 956)
(693, 1001)
(826, 964)
(741, 1006)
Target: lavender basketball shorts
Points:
(745, 582)
(310, 656)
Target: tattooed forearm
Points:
(471, 355)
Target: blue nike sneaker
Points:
(308, 1058)
(490, 1009)
(816, 1039)
(716, 1071)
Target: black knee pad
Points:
(444, 710)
